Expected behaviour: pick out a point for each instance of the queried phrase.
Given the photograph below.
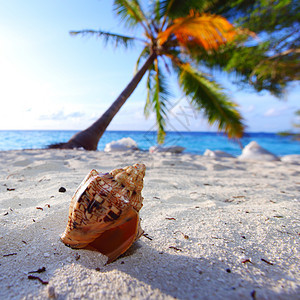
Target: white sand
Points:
(223, 216)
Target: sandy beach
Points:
(215, 229)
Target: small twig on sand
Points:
(175, 248)
(147, 236)
(246, 261)
(40, 270)
(37, 278)
(184, 235)
(10, 254)
(269, 263)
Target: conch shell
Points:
(104, 211)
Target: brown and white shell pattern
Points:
(104, 211)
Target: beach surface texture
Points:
(215, 228)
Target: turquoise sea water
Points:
(194, 142)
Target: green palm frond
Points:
(148, 105)
(117, 39)
(159, 107)
(161, 10)
(180, 8)
(158, 96)
(248, 65)
(131, 13)
(207, 95)
(144, 54)
(141, 12)
(156, 8)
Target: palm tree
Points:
(175, 35)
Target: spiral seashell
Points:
(104, 211)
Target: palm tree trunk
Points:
(89, 138)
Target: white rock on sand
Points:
(292, 159)
(123, 144)
(218, 229)
(216, 153)
(253, 151)
(170, 149)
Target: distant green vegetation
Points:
(295, 136)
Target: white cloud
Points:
(275, 112)
(61, 115)
(248, 109)
(271, 112)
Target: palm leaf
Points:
(131, 13)
(180, 8)
(159, 106)
(250, 65)
(208, 31)
(148, 105)
(157, 99)
(117, 39)
(141, 12)
(144, 54)
(157, 10)
(162, 8)
(207, 95)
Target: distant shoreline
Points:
(193, 142)
(144, 131)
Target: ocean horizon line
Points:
(152, 131)
(195, 142)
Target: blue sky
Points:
(51, 80)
